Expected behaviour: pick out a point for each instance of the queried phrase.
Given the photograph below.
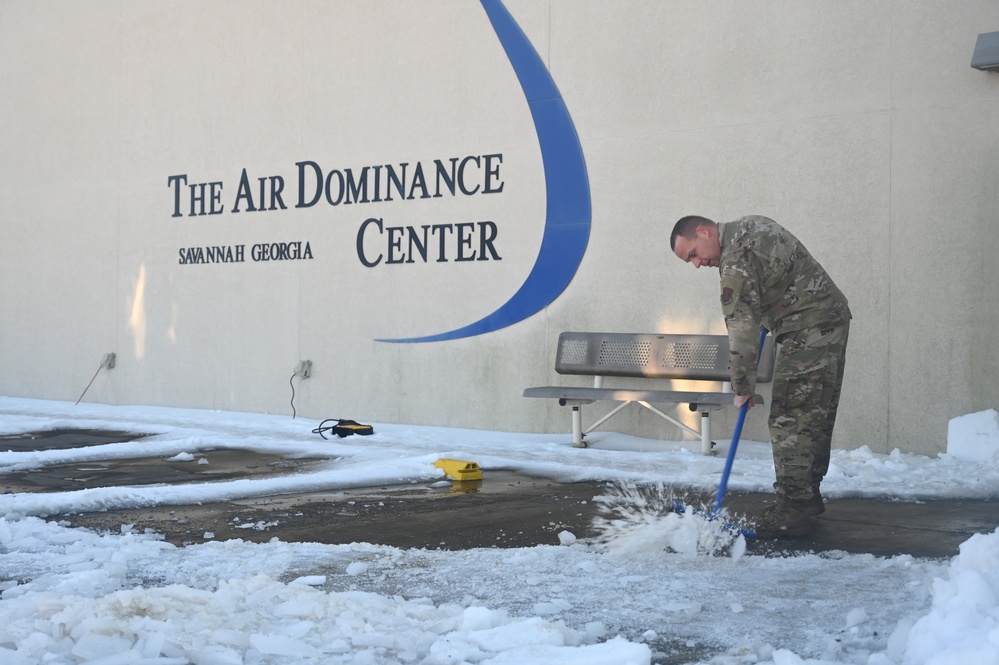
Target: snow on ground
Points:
(75, 596)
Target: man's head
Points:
(695, 240)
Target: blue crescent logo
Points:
(567, 219)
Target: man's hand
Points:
(742, 399)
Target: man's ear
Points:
(703, 232)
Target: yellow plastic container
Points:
(459, 470)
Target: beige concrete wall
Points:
(858, 125)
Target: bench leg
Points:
(606, 417)
(671, 419)
(577, 427)
(578, 433)
(706, 432)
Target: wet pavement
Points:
(501, 510)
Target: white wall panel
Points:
(858, 125)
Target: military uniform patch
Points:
(726, 296)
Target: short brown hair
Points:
(687, 227)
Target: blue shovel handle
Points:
(743, 410)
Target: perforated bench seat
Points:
(647, 356)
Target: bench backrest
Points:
(650, 355)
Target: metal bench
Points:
(647, 356)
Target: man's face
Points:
(701, 250)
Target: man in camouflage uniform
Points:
(769, 279)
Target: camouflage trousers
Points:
(808, 378)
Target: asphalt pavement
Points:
(501, 510)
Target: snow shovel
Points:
(743, 410)
(723, 485)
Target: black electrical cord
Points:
(291, 382)
(319, 430)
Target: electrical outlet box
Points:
(108, 361)
(304, 369)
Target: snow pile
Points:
(72, 593)
(260, 620)
(974, 437)
(963, 624)
(86, 606)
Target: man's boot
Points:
(784, 519)
(815, 505)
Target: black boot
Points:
(784, 519)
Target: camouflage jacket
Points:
(768, 278)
